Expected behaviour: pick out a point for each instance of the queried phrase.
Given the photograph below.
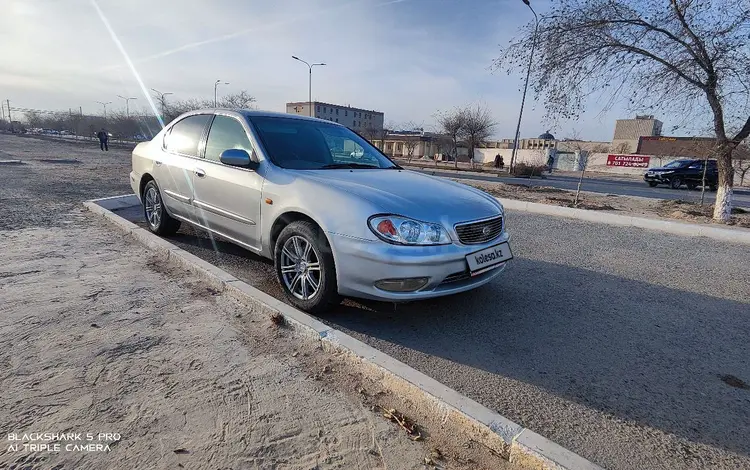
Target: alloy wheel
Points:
(153, 207)
(300, 267)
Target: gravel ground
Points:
(97, 335)
(628, 347)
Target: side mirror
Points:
(238, 157)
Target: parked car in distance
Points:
(688, 172)
(337, 216)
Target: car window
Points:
(226, 133)
(712, 164)
(677, 164)
(696, 166)
(186, 135)
(313, 145)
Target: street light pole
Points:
(309, 80)
(216, 84)
(127, 104)
(105, 107)
(525, 86)
(162, 100)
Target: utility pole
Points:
(309, 81)
(525, 87)
(216, 84)
(127, 104)
(163, 101)
(10, 119)
(105, 108)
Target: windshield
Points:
(313, 145)
(678, 164)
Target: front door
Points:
(173, 170)
(227, 198)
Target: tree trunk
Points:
(723, 205)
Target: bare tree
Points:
(239, 100)
(684, 55)
(622, 148)
(582, 151)
(452, 123)
(477, 128)
(410, 145)
(742, 162)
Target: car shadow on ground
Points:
(635, 350)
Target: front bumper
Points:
(657, 177)
(361, 263)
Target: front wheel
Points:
(652, 184)
(675, 182)
(305, 268)
(691, 185)
(156, 215)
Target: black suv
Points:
(687, 172)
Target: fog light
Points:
(402, 285)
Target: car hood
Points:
(410, 194)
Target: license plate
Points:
(483, 260)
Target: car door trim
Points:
(221, 234)
(222, 212)
(177, 196)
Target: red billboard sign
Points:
(636, 161)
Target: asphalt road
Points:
(611, 341)
(601, 185)
(626, 346)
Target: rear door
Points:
(227, 198)
(174, 170)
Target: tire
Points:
(675, 182)
(302, 239)
(157, 218)
(691, 185)
(713, 187)
(652, 184)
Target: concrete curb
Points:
(508, 439)
(668, 226)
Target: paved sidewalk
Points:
(99, 336)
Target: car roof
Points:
(258, 113)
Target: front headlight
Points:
(405, 231)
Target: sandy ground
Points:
(97, 335)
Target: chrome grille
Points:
(456, 277)
(473, 233)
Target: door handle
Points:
(200, 173)
(157, 162)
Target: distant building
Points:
(359, 120)
(629, 131)
(684, 147)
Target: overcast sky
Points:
(407, 58)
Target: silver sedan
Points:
(337, 217)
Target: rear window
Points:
(186, 135)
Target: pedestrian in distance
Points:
(103, 139)
(498, 159)
(550, 163)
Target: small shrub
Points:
(522, 169)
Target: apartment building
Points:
(357, 119)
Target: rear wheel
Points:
(305, 268)
(675, 182)
(156, 215)
(652, 184)
(691, 185)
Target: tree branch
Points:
(742, 134)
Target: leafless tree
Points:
(582, 151)
(452, 123)
(622, 148)
(477, 128)
(691, 55)
(409, 146)
(742, 161)
(239, 100)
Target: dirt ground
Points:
(99, 336)
(630, 205)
